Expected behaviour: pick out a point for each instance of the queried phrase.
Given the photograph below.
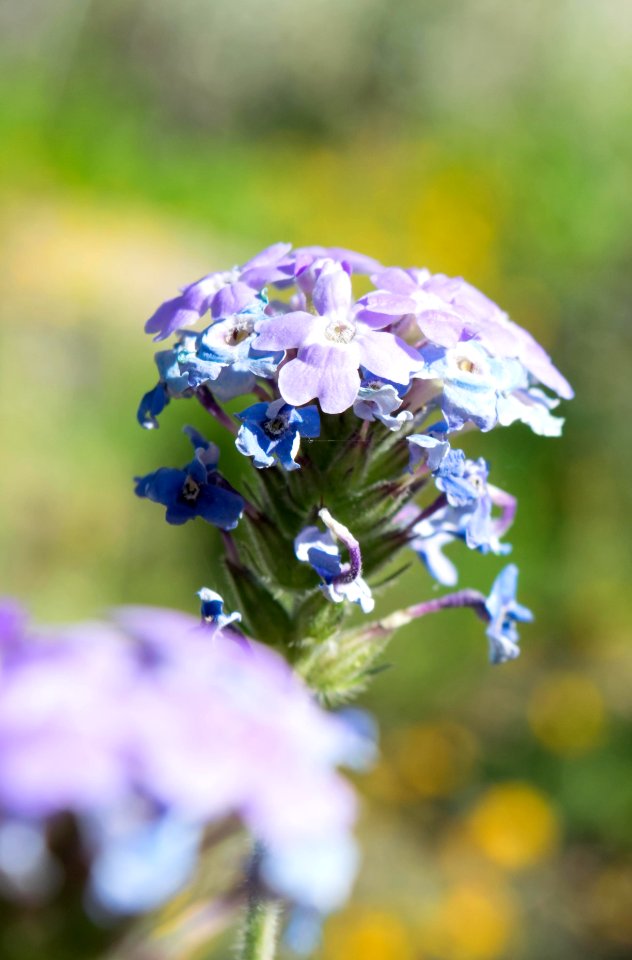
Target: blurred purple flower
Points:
(150, 729)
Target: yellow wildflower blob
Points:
(473, 921)
(369, 935)
(514, 825)
(567, 714)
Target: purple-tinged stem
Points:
(211, 406)
(508, 506)
(462, 598)
(229, 547)
(354, 568)
(261, 392)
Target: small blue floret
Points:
(273, 431)
(504, 612)
(197, 490)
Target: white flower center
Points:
(239, 331)
(340, 331)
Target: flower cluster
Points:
(151, 727)
(346, 388)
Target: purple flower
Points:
(149, 730)
(463, 512)
(331, 346)
(403, 299)
(448, 309)
(198, 490)
(275, 429)
(224, 293)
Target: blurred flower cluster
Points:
(121, 744)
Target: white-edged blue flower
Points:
(378, 399)
(472, 382)
(341, 581)
(212, 609)
(273, 431)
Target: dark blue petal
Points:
(258, 412)
(309, 423)
(151, 405)
(162, 486)
(223, 508)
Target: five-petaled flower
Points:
(197, 490)
(275, 429)
(332, 345)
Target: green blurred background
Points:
(146, 142)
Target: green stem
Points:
(261, 924)
(260, 932)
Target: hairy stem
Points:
(259, 936)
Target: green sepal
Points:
(264, 617)
(272, 554)
(340, 669)
(317, 618)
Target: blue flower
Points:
(378, 399)
(532, 407)
(464, 513)
(172, 383)
(274, 430)
(197, 490)
(212, 609)
(460, 479)
(504, 612)
(224, 353)
(342, 581)
(428, 447)
(151, 406)
(472, 382)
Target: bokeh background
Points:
(147, 142)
